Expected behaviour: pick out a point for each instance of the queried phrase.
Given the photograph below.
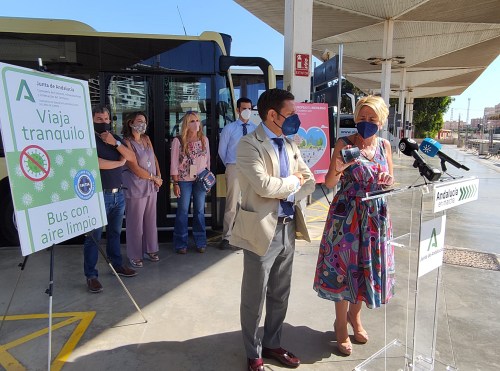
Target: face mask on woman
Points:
(140, 127)
(194, 125)
(366, 129)
(245, 114)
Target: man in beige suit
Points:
(273, 179)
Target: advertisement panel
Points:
(313, 138)
(49, 143)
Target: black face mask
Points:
(101, 128)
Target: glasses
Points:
(191, 112)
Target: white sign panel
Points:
(455, 193)
(345, 132)
(431, 249)
(50, 149)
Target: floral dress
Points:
(355, 260)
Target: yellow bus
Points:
(162, 75)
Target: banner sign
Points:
(454, 193)
(431, 249)
(313, 139)
(50, 149)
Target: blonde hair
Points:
(377, 104)
(184, 131)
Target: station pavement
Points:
(191, 302)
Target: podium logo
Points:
(433, 243)
(22, 87)
(467, 192)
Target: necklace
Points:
(367, 151)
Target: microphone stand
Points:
(443, 166)
(445, 171)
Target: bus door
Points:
(165, 99)
(181, 94)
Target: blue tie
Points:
(287, 206)
(245, 131)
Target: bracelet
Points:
(175, 183)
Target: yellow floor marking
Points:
(9, 362)
(319, 205)
(84, 319)
(318, 218)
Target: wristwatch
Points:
(118, 143)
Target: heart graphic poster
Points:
(312, 138)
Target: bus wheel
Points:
(8, 223)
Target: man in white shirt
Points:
(229, 139)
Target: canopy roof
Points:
(445, 44)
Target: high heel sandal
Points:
(344, 347)
(359, 336)
(152, 256)
(136, 263)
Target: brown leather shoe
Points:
(94, 285)
(125, 271)
(281, 355)
(256, 364)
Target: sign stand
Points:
(49, 291)
(118, 277)
(22, 266)
(419, 322)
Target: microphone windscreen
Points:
(407, 146)
(430, 147)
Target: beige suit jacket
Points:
(262, 188)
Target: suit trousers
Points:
(267, 278)
(233, 199)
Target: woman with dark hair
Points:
(190, 156)
(141, 181)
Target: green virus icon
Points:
(35, 163)
(39, 160)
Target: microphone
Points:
(409, 147)
(432, 148)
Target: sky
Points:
(251, 37)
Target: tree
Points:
(428, 115)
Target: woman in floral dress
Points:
(355, 262)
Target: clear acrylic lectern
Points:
(408, 330)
